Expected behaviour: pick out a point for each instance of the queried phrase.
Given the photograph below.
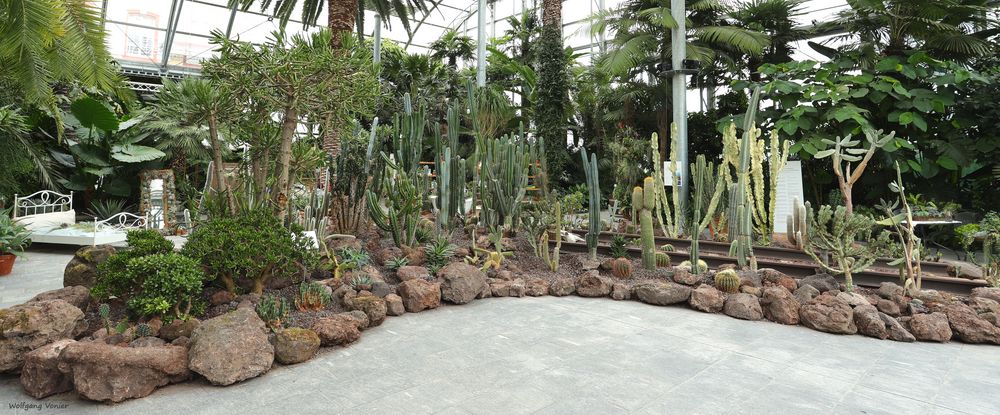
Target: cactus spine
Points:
(621, 268)
(701, 174)
(644, 197)
(594, 187)
(797, 228)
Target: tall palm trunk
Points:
(552, 13)
(220, 171)
(343, 15)
(288, 125)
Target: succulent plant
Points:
(439, 253)
(396, 263)
(667, 247)
(312, 297)
(643, 200)
(361, 282)
(105, 312)
(662, 260)
(143, 330)
(272, 310)
(619, 246)
(727, 280)
(621, 268)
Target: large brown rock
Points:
(562, 287)
(82, 269)
(536, 287)
(410, 272)
(683, 275)
(179, 328)
(77, 295)
(231, 348)
(780, 305)
(662, 293)
(620, 291)
(969, 327)
(507, 288)
(896, 330)
(931, 327)
(888, 306)
(373, 307)
(869, 322)
(743, 306)
(590, 284)
(32, 325)
(40, 375)
(461, 282)
(890, 290)
(295, 345)
(986, 292)
(103, 372)
(828, 313)
(707, 298)
(338, 330)
(419, 295)
(821, 282)
(394, 305)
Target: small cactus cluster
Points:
(312, 297)
(727, 280)
(105, 311)
(662, 260)
(143, 330)
(272, 310)
(621, 268)
(702, 266)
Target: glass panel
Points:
(188, 51)
(153, 13)
(202, 18)
(135, 44)
(251, 27)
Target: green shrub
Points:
(112, 279)
(168, 285)
(253, 246)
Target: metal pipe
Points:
(481, 55)
(377, 47)
(678, 51)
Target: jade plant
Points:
(254, 246)
(113, 280)
(169, 285)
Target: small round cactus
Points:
(662, 260)
(727, 280)
(104, 310)
(143, 330)
(702, 266)
(667, 248)
(621, 268)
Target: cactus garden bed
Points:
(65, 341)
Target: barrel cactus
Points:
(662, 260)
(143, 330)
(727, 280)
(702, 266)
(621, 268)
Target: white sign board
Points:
(789, 188)
(667, 182)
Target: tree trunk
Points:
(342, 17)
(331, 138)
(219, 167)
(288, 125)
(552, 13)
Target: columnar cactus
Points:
(644, 198)
(741, 223)
(594, 187)
(797, 227)
(702, 177)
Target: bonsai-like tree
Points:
(848, 150)
(836, 232)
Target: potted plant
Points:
(14, 237)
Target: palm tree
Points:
(551, 90)
(957, 29)
(43, 42)
(451, 46)
(197, 102)
(343, 15)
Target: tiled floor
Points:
(573, 355)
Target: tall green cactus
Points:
(797, 227)
(644, 200)
(404, 197)
(702, 177)
(662, 212)
(503, 181)
(450, 182)
(408, 136)
(742, 223)
(763, 209)
(543, 244)
(594, 187)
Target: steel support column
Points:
(678, 51)
(481, 47)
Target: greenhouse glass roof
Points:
(172, 36)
